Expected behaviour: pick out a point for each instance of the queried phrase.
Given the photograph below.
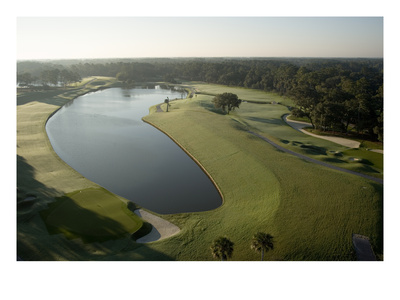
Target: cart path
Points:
(298, 125)
(162, 229)
(159, 109)
(363, 248)
(378, 180)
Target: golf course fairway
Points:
(310, 210)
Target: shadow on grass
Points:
(66, 216)
(296, 143)
(28, 186)
(366, 162)
(239, 126)
(267, 121)
(210, 107)
(313, 150)
(34, 243)
(361, 168)
(377, 241)
(334, 160)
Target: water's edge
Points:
(202, 168)
(191, 156)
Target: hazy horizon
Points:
(199, 57)
(64, 38)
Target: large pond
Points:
(101, 135)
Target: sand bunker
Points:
(162, 229)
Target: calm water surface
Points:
(102, 136)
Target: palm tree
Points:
(262, 242)
(222, 248)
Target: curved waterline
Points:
(127, 156)
(190, 155)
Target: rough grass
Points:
(91, 214)
(311, 211)
(267, 120)
(243, 93)
(42, 176)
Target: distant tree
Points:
(169, 78)
(378, 129)
(226, 101)
(122, 76)
(24, 79)
(305, 94)
(334, 94)
(262, 242)
(50, 76)
(284, 79)
(222, 248)
(66, 77)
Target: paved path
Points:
(162, 229)
(159, 108)
(338, 140)
(363, 248)
(378, 180)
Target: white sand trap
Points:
(162, 229)
(341, 141)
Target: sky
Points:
(130, 37)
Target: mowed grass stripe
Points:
(312, 211)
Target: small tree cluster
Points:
(222, 248)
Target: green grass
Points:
(42, 177)
(243, 93)
(310, 210)
(266, 119)
(92, 214)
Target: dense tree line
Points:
(334, 94)
(333, 98)
(45, 74)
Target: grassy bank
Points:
(93, 214)
(267, 120)
(310, 210)
(42, 177)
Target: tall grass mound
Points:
(91, 214)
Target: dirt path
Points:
(162, 229)
(378, 180)
(341, 141)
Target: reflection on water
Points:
(102, 136)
